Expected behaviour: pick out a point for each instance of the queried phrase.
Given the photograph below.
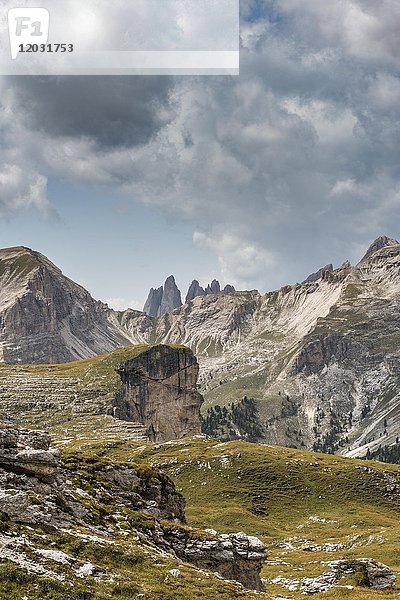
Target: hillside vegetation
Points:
(308, 508)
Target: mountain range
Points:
(319, 360)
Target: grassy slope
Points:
(272, 492)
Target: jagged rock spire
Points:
(214, 287)
(171, 297)
(166, 298)
(163, 299)
(194, 290)
(153, 302)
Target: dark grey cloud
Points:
(113, 111)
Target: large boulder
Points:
(373, 574)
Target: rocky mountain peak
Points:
(24, 260)
(381, 242)
(46, 317)
(214, 287)
(167, 298)
(164, 299)
(171, 297)
(194, 291)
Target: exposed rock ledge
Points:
(37, 488)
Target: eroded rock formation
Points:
(29, 452)
(235, 556)
(159, 391)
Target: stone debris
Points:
(372, 574)
(175, 572)
(56, 555)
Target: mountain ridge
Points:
(321, 359)
(47, 317)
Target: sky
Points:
(257, 180)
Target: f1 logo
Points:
(27, 25)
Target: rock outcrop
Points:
(29, 452)
(235, 556)
(374, 574)
(316, 276)
(159, 391)
(141, 392)
(368, 573)
(42, 490)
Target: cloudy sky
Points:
(257, 179)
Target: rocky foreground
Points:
(99, 502)
(86, 524)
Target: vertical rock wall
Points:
(159, 391)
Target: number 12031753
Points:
(46, 47)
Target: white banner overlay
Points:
(124, 37)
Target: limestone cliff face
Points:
(46, 317)
(159, 390)
(325, 349)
